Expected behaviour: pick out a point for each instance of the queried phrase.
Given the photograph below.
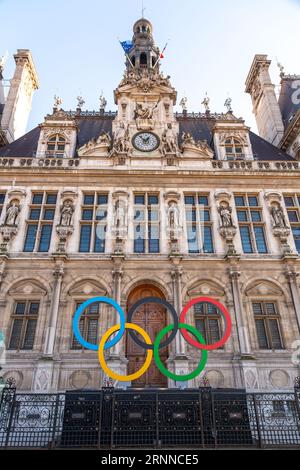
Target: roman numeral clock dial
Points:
(145, 141)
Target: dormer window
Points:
(234, 149)
(56, 145)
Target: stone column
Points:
(115, 356)
(292, 276)
(243, 334)
(180, 345)
(51, 329)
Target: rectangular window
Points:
(146, 223)
(267, 323)
(293, 210)
(198, 223)
(24, 323)
(38, 235)
(251, 224)
(93, 223)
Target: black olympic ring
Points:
(168, 306)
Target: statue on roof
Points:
(80, 102)
(205, 103)
(228, 104)
(57, 102)
(183, 103)
(102, 102)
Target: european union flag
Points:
(127, 45)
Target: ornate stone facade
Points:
(145, 170)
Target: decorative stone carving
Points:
(279, 378)
(121, 140)
(9, 228)
(101, 145)
(169, 141)
(145, 80)
(227, 228)
(65, 227)
(205, 103)
(191, 148)
(174, 226)
(281, 230)
(102, 103)
(144, 115)
(183, 103)
(120, 220)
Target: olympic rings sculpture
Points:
(152, 349)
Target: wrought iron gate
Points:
(133, 418)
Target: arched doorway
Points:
(152, 318)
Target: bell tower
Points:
(145, 128)
(144, 53)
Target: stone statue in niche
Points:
(12, 214)
(278, 216)
(173, 216)
(169, 141)
(66, 214)
(225, 215)
(120, 215)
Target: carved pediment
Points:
(199, 150)
(96, 147)
(29, 287)
(205, 289)
(88, 288)
(263, 288)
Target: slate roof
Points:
(287, 104)
(91, 126)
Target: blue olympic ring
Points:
(79, 311)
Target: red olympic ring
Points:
(206, 347)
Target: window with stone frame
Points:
(251, 224)
(292, 204)
(2, 199)
(146, 223)
(267, 322)
(93, 223)
(40, 222)
(234, 149)
(88, 325)
(56, 145)
(208, 322)
(23, 325)
(198, 223)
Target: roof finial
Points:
(206, 102)
(143, 9)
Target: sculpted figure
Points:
(169, 140)
(173, 216)
(278, 216)
(11, 214)
(66, 214)
(225, 214)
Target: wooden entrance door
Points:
(152, 318)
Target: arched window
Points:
(88, 325)
(56, 146)
(133, 60)
(143, 59)
(234, 149)
(23, 326)
(267, 322)
(207, 321)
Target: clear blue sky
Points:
(211, 46)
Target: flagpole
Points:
(126, 54)
(160, 55)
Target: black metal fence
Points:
(114, 418)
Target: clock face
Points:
(145, 141)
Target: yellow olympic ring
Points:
(114, 375)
